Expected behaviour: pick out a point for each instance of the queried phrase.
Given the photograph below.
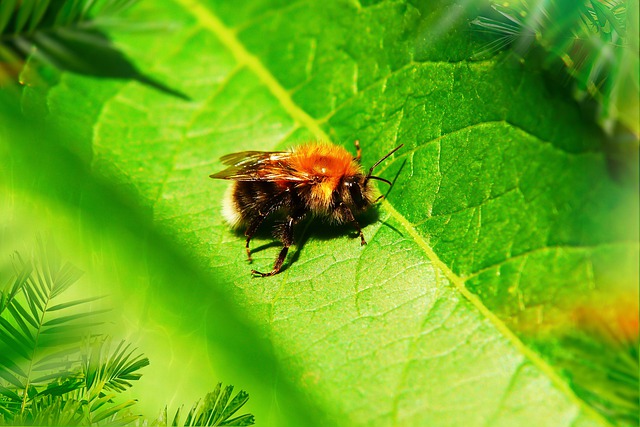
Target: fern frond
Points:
(53, 370)
(50, 410)
(111, 413)
(215, 410)
(39, 349)
(10, 292)
(111, 372)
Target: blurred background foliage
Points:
(595, 42)
(59, 369)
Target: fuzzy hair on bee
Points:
(319, 179)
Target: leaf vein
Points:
(206, 19)
(500, 326)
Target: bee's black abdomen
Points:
(246, 199)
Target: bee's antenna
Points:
(369, 176)
(379, 179)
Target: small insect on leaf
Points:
(317, 178)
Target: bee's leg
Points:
(349, 217)
(358, 151)
(263, 212)
(251, 230)
(286, 235)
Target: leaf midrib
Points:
(210, 22)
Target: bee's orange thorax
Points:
(324, 161)
(326, 165)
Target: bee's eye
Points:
(355, 191)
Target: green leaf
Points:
(65, 277)
(218, 403)
(35, 299)
(23, 14)
(112, 410)
(6, 10)
(61, 356)
(66, 386)
(17, 345)
(44, 351)
(10, 378)
(503, 222)
(191, 416)
(7, 362)
(25, 341)
(20, 315)
(102, 400)
(73, 303)
(59, 364)
(124, 420)
(242, 420)
(68, 13)
(238, 401)
(9, 394)
(64, 320)
(68, 332)
(38, 13)
(51, 410)
(176, 418)
(215, 410)
(21, 278)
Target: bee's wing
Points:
(243, 157)
(258, 166)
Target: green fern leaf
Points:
(38, 352)
(214, 410)
(111, 411)
(6, 10)
(9, 294)
(73, 303)
(111, 372)
(243, 420)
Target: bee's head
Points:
(357, 188)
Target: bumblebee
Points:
(320, 179)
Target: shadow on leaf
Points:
(91, 53)
(65, 35)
